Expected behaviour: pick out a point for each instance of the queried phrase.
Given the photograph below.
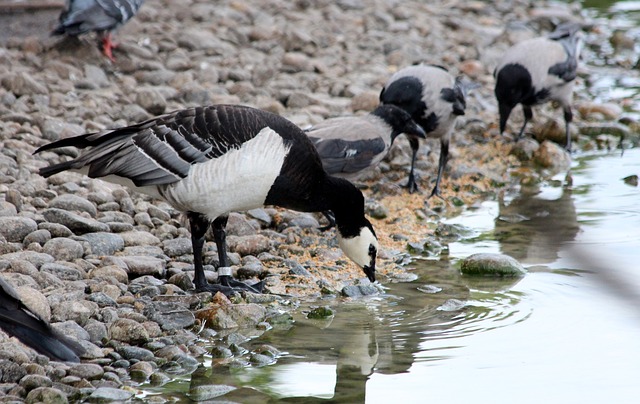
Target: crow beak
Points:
(370, 271)
(414, 129)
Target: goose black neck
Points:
(347, 204)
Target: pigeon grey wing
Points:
(83, 16)
(120, 10)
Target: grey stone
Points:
(73, 202)
(359, 290)
(36, 258)
(209, 391)
(62, 272)
(134, 352)
(63, 249)
(74, 222)
(47, 395)
(109, 394)
(103, 243)
(248, 245)
(38, 236)
(11, 372)
(15, 229)
(8, 209)
(177, 246)
(56, 230)
(30, 382)
(170, 315)
(140, 265)
(128, 331)
(75, 311)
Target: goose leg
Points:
(226, 284)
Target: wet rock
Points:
(631, 180)
(594, 129)
(320, 313)
(430, 246)
(295, 268)
(109, 395)
(453, 232)
(141, 371)
(552, 157)
(525, 148)
(209, 392)
(232, 316)
(486, 264)
(15, 229)
(360, 290)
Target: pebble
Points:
(488, 264)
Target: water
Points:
(568, 332)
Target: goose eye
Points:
(372, 250)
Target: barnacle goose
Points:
(210, 161)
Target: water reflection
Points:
(534, 225)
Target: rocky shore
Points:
(113, 269)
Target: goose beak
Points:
(370, 271)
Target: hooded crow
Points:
(434, 98)
(539, 70)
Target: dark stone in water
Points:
(485, 264)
